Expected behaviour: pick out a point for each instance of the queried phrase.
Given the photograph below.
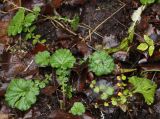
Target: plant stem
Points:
(64, 97)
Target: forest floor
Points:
(102, 24)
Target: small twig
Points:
(88, 27)
(28, 66)
(154, 76)
(130, 115)
(3, 12)
(90, 36)
(91, 47)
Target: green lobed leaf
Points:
(145, 87)
(101, 63)
(62, 59)
(36, 9)
(21, 94)
(142, 46)
(77, 109)
(104, 96)
(145, 2)
(29, 19)
(42, 58)
(16, 24)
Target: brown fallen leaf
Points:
(59, 114)
(31, 3)
(83, 48)
(3, 88)
(4, 40)
(156, 8)
(76, 2)
(11, 66)
(3, 30)
(2, 46)
(143, 25)
(4, 116)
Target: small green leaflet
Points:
(21, 94)
(151, 50)
(148, 40)
(142, 46)
(145, 87)
(16, 24)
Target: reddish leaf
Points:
(39, 48)
(49, 90)
(56, 3)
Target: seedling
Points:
(24, 23)
(101, 63)
(21, 21)
(77, 109)
(21, 93)
(63, 60)
(148, 45)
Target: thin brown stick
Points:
(82, 25)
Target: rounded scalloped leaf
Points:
(62, 59)
(78, 109)
(101, 63)
(21, 94)
(42, 58)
